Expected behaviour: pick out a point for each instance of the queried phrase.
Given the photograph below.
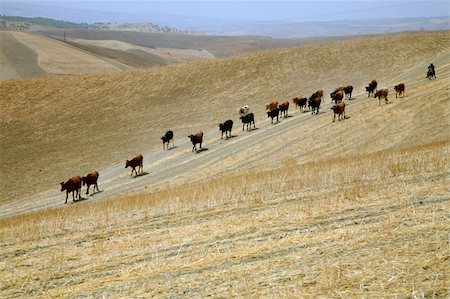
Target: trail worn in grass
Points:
(302, 208)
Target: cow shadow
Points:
(172, 148)
(320, 112)
(288, 116)
(346, 117)
(251, 129)
(140, 174)
(231, 136)
(93, 193)
(203, 149)
(80, 199)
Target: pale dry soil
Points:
(66, 126)
(301, 208)
(51, 56)
(367, 128)
(169, 54)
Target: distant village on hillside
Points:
(25, 24)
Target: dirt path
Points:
(243, 151)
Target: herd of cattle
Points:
(274, 110)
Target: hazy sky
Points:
(255, 10)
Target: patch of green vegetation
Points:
(44, 22)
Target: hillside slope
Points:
(74, 124)
(32, 55)
(302, 208)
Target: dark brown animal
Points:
(338, 109)
(317, 94)
(90, 179)
(195, 139)
(166, 139)
(273, 113)
(72, 185)
(248, 120)
(338, 89)
(272, 106)
(314, 102)
(348, 91)
(300, 102)
(382, 93)
(136, 162)
(372, 88)
(284, 108)
(431, 74)
(226, 127)
(337, 96)
(399, 90)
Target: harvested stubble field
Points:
(311, 208)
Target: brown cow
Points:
(382, 93)
(72, 185)
(136, 162)
(90, 179)
(300, 102)
(272, 106)
(337, 96)
(314, 104)
(400, 90)
(284, 108)
(338, 109)
(197, 138)
(318, 94)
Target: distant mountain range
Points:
(215, 26)
(331, 28)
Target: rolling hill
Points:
(26, 55)
(53, 52)
(302, 208)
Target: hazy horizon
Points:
(222, 11)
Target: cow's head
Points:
(63, 186)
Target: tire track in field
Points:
(244, 150)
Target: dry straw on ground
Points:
(358, 208)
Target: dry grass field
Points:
(50, 52)
(52, 56)
(219, 46)
(302, 208)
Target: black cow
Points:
(226, 127)
(248, 119)
(372, 88)
(348, 91)
(166, 139)
(273, 113)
